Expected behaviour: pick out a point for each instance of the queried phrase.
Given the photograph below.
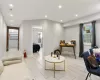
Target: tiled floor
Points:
(75, 69)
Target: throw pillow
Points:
(93, 62)
(97, 55)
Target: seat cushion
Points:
(95, 71)
(11, 58)
(1, 67)
(6, 63)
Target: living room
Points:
(52, 39)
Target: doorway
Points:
(37, 37)
(12, 38)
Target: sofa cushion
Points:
(11, 58)
(5, 63)
(1, 67)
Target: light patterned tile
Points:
(75, 69)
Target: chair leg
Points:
(90, 75)
(87, 76)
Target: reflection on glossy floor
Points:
(75, 69)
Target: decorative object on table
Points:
(54, 56)
(51, 54)
(57, 52)
(59, 57)
(69, 43)
(25, 55)
(72, 44)
(62, 42)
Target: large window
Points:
(87, 33)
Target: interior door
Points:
(12, 38)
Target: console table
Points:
(68, 45)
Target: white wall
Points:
(35, 35)
(21, 38)
(27, 38)
(2, 36)
(26, 41)
(52, 34)
(98, 33)
(72, 32)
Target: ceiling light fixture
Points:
(11, 5)
(46, 16)
(60, 6)
(61, 20)
(11, 15)
(76, 15)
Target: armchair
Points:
(88, 67)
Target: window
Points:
(87, 33)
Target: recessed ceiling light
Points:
(76, 15)
(60, 6)
(46, 16)
(61, 20)
(11, 5)
(11, 15)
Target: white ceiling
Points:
(37, 9)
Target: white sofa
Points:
(1, 67)
(16, 72)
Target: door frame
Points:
(7, 41)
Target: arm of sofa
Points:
(1, 67)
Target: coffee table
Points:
(54, 61)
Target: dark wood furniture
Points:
(73, 44)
